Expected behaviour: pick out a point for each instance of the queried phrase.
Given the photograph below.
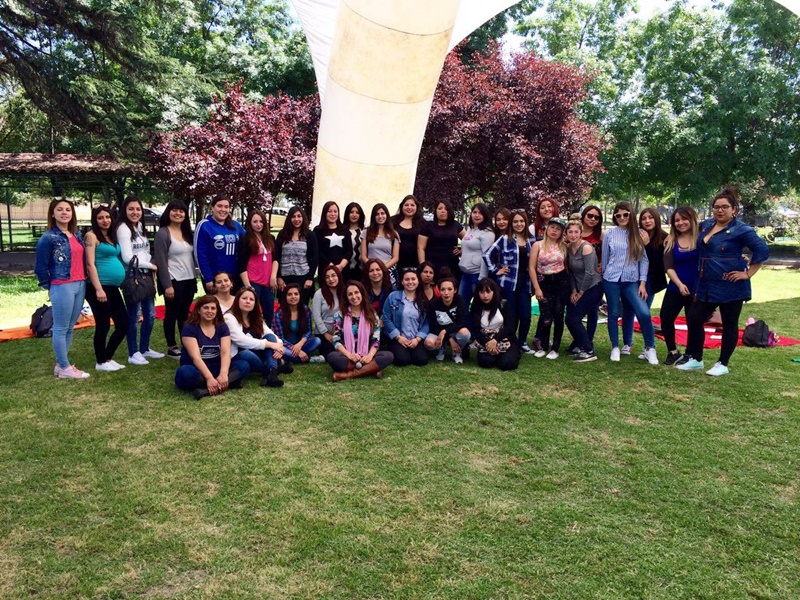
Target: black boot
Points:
(271, 379)
(286, 367)
(200, 392)
(235, 381)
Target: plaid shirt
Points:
(277, 327)
(506, 253)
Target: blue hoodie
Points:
(215, 248)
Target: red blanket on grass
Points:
(713, 334)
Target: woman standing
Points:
(356, 338)
(548, 272)
(292, 324)
(333, 242)
(377, 283)
(625, 276)
(682, 262)
(447, 319)
(438, 240)
(256, 263)
(135, 247)
(206, 365)
(215, 240)
(508, 260)
(296, 253)
(354, 223)
(502, 219)
(407, 223)
(406, 323)
(106, 274)
(223, 283)
(587, 290)
(724, 279)
(61, 269)
(478, 238)
(592, 233)
(380, 240)
(494, 328)
(545, 210)
(325, 306)
(174, 257)
(251, 339)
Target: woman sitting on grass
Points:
(447, 318)
(494, 328)
(378, 283)
(356, 338)
(406, 323)
(325, 306)
(206, 365)
(251, 339)
(292, 324)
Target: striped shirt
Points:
(617, 267)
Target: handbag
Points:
(138, 285)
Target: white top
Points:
(241, 340)
(131, 246)
(181, 260)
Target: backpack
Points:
(757, 334)
(42, 321)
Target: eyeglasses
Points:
(593, 217)
(721, 207)
(622, 215)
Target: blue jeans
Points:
(188, 377)
(312, 345)
(575, 312)
(67, 300)
(629, 290)
(627, 316)
(267, 301)
(260, 361)
(469, 281)
(520, 304)
(148, 310)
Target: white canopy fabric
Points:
(792, 5)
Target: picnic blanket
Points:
(20, 333)
(713, 334)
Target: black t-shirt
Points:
(442, 240)
(450, 318)
(333, 245)
(408, 247)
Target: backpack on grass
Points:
(42, 322)
(758, 335)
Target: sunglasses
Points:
(622, 215)
(593, 217)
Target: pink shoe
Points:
(72, 372)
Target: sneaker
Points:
(585, 357)
(138, 359)
(525, 349)
(552, 355)
(717, 370)
(440, 354)
(684, 358)
(691, 365)
(317, 359)
(574, 351)
(117, 366)
(56, 370)
(458, 359)
(72, 372)
(642, 355)
(540, 353)
(615, 355)
(651, 356)
(106, 366)
(174, 353)
(152, 354)
(626, 350)
(672, 358)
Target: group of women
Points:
(398, 291)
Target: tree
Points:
(508, 131)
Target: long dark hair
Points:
(72, 226)
(286, 232)
(326, 291)
(194, 316)
(635, 244)
(123, 216)
(323, 224)
(186, 228)
(487, 216)
(658, 236)
(229, 219)
(361, 216)
(538, 222)
(286, 311)
(366, 305)
(111, 236)
(478, 307)
(386, 283)
(255, 317)
(597, 230)
(388, 228)
(253, 238)
(507, 214)
(417, 220)
(420, 301)
(451, 213)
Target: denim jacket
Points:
(54, 257)
(506, 252)
(393, 316)
(723, 254)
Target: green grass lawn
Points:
(554, 481)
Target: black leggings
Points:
(408, 356)
(671, 307)
(556, 292)
(104, 312)
(177, 309)
(505, 361)
(699, 313)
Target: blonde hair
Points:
(688, 213)
(562, 246)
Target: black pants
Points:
(699, 313)
(408, 356)
(104, 312)
(325, 347)
(340, 363)
(505, 361)
(673, 303)
(556, 290)
(177, 309)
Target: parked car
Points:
(151, 217)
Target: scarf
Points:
(364, 331)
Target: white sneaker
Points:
(626, 350)
(615, 355)
(317, 359)
(152, 354)
(117, 366)
(717, 370)
(458, 359)
(138, 359)
(72, 372)
(540, 353)
(552, 355)
(440, 354)
(651, 356)
(643, 355)
(106, 366)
